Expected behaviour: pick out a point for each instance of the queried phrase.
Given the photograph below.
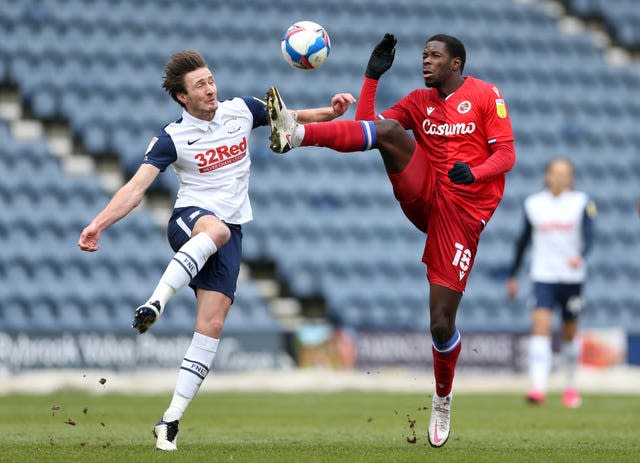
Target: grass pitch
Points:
(338, 427)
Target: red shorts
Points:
(452, 233)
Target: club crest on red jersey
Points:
(464, 107)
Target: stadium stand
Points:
(49, 285)
(620, 17)
(328, 221)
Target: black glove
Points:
(381, 57)
(460, 174)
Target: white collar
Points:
(199, 123)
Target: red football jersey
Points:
(460, 127)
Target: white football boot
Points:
(281, 121)
(166, 435)
(439, 424)
(146, 315)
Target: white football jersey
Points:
(211, 158)
(556, 223)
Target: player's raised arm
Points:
(380, 61)
(339, 105)
(122, 203)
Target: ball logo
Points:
(464, 107)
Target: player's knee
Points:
(217, 230)
(441, 329)
(222, 235)
(210, 327)
(216, 328)
(389, 129)
(395, 144)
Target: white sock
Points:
(195, 366)
(570, 357)
(186, 263)
(540, 358)
(297, 135)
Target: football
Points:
(305, 45)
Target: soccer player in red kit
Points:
(449, 179)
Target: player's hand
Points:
(512, 288)
(461, 174)
(575, 262)
(341, 102)
(89, 239)
(381, 57)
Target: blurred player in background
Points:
(448, 180)
(208, 149)
(559, 222)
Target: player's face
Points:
(559, 177)
(201, 99)
(437, 64)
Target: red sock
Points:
(344, 136)
(444, 367)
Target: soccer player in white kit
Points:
(208, 148)
(559, 223)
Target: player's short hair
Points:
(454, 47)
(179, 64)
(560, 160)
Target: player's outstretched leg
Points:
(166, 435)
(340, 135)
